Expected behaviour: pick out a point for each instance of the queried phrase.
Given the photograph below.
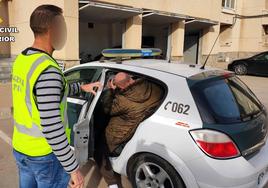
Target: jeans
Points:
(40, 172)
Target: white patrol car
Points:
(209, 131)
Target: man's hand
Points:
(77, 180)
(111, 85)
(90, 87)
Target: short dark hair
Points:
(42, 17)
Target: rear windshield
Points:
(225, 101)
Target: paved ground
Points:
(259, 86)
(8, 171)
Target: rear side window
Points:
(221, 100)
(247, 102)
(225, 101)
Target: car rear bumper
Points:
(235, 173)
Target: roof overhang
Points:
(90, 11)
(97, 12)
(194, 25)
(157, 18)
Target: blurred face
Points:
(58, 33)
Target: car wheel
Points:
(240, 69)
(150, 171)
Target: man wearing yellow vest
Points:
(41, 134)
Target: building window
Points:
(229, 4)
(265, 29)
(265, 34)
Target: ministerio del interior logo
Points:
(6, 32)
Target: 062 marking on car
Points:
(177, 107)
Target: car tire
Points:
(240, 69)
(148, 170)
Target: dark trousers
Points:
(102, 159)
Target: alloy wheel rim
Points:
(240, 69)
(150, 175)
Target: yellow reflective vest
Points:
(27, 137)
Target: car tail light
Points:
(215, 144)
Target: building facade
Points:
(185, 30)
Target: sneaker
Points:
(113, 186)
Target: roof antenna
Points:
(203, 66)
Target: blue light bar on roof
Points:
(118, 52)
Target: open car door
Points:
(80, 111)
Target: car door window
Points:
(79, 101)
(83, 76)
(262, 57)
(266, 57)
